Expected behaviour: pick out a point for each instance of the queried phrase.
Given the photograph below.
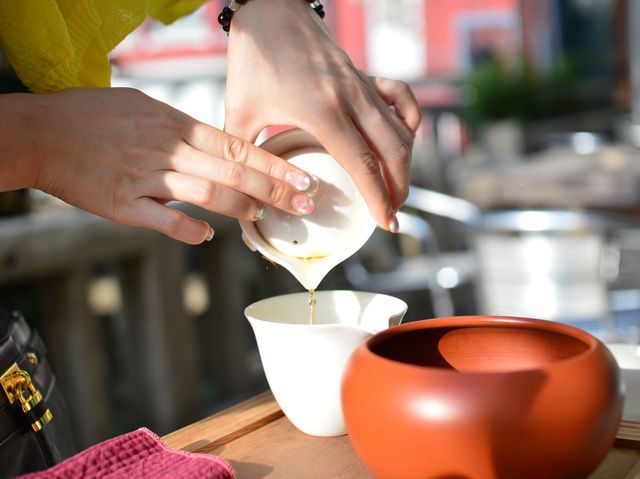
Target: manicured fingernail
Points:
(262, 214)
(210, 234)
(302, 204)
(393, 224)
(299, 181)
(313, 186)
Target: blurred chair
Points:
(412, 260)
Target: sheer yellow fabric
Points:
(58, 44)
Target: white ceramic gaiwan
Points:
(304, 362)
(310, 246)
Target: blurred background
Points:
(525, 201)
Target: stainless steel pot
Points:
(550, 264)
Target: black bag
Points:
(35, 431)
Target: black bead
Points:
(319, 10)
(225, 16)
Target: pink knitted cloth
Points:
(140, 454)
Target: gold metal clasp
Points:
(44, 419)
(17, 386)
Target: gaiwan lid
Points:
(340, 223)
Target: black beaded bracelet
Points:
(227, 12)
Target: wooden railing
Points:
(147, 362)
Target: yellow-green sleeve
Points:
(58, 44)
(168, 11)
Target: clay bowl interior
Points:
(482, 397)
(479, 348)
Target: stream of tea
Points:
(312, 307)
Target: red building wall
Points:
(347, 20)
(348, 26)
(441, 34)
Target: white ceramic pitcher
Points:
(304, 362)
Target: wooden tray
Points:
(258, 441)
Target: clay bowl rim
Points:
(490, 321)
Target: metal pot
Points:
(550, 264)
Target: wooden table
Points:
(259, 441)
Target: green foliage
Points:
(522, 93)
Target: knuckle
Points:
(236, 150)
(357, 91)
(174, 122)
(329, 101)
(402, 152)
(274, 169)
(248, 210)
(277, 193)
(119, 200)
(233, 175)
(370, 163)
(344, 89)
(119, 215)
(206, 193)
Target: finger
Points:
(174, 186)
(201, 175)
(354, 154)
(152, 214)
(222, 145)
(399, 95)
(388, 110)
(391, 142)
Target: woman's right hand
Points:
(285, 68)
(123, 155)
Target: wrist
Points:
(272, 9)
(19, 159)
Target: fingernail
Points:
(299, 181)
(262, 214)
(313, 185)
(210, 234)
(302, 204)
(393, 224)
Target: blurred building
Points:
(405, 39)
(408, 39)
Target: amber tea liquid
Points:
(312, 307)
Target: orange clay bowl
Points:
(482, 397)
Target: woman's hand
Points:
(122, 155)
(284, 68)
